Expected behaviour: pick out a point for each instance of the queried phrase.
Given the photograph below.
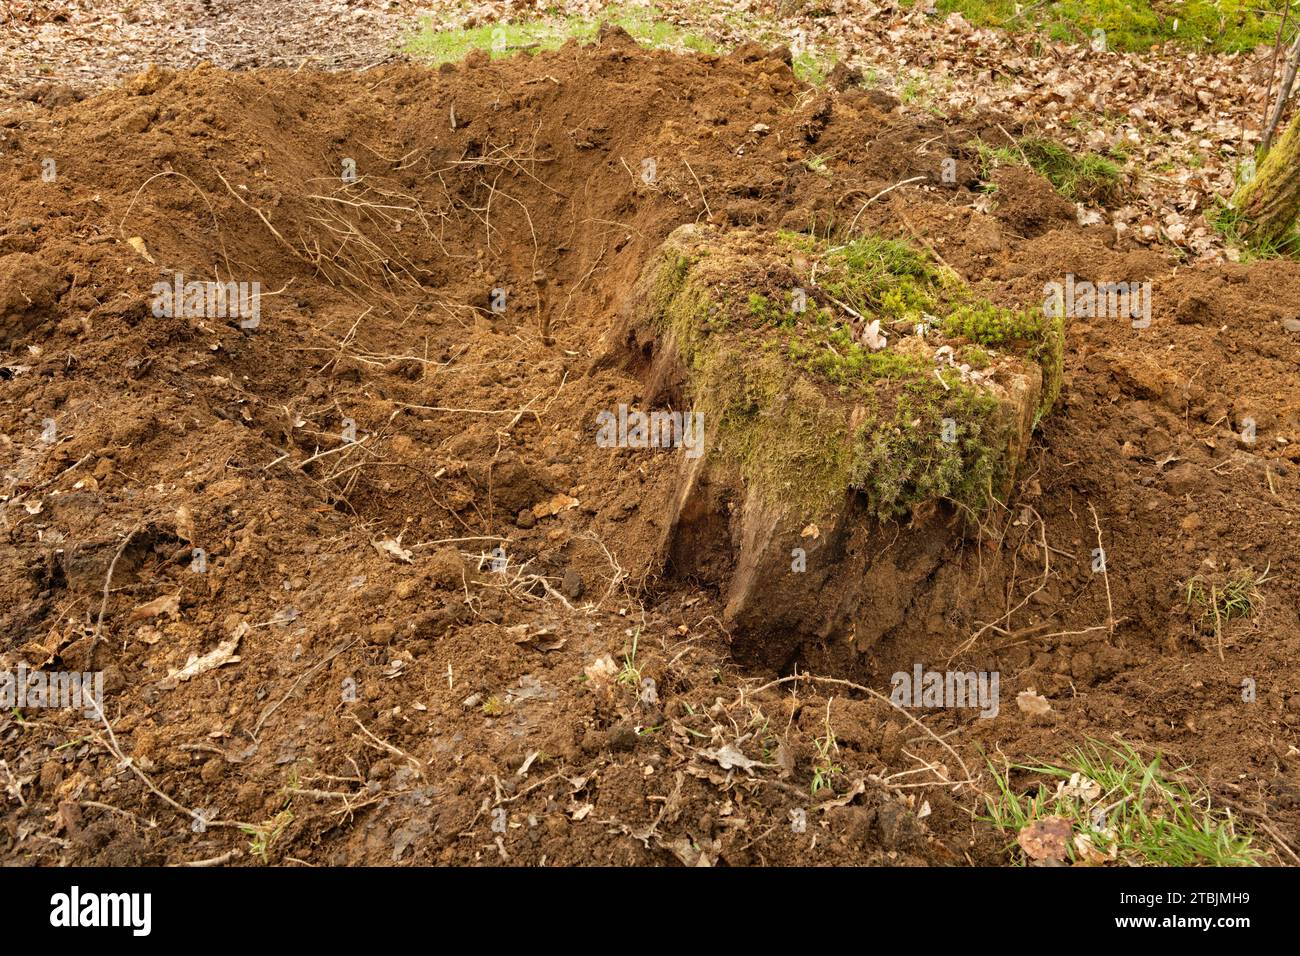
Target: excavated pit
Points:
(489, 283)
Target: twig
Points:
(1283, 93)
(271, 709)
(221, 860)
(108, 583)
(1105, 573)
(882, 192)
(707, 210)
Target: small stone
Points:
(405, 590)
(525, 519)
(572, 585)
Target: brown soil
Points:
(476, 699)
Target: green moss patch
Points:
(776, 332)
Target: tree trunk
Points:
(1269, 203)
(1283, 94)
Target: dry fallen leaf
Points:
(1046, 838)
(873, 338)
(393, 548)
(136, 243)
(185, 524)
(1031, 702)
(169, 604)
(223, 654)
(543, 639)
(729, 757)
(1085, 852)
(601, 671)
(558, 503)
(1079, 787)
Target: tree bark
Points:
(1269, 204)
(1283, 94)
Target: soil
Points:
(394, 695)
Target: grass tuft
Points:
(1126, 810)
(531, 36)
(1221, 601)
(1085, 177)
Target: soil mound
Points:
(301, 388)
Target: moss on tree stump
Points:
(843, 388)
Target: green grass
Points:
(813, 67)
(1227, 221)
(1079, 177)
(1128, 810)
(817, 164)
(824, 768)
(534, 35)
(1224, 26)
(629, 674)
(437, 42)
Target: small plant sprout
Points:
(630, 674)
(825, 769)
(817, 164)
(265, 835)
(1217, 601)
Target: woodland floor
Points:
(392, 700)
